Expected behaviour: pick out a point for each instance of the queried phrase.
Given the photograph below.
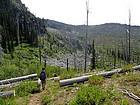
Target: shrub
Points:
(46, 99)
(131, 79)
(124, 102)
(63, 73)
(50, 70)
(9, 71)
(27, 87)
(14, 101)
(116, 75)
(89, 96)
(2, 102)
(96, 80)
(67, 74)
(127, 68)
(92, 95)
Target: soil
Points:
(35, 99)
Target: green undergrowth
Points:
(20, 63)
(85, 94)
(127, 81)
(61, 72)
(22, 93)
(96, 91)
(96, 80)
(51, 93)
(27, 88)
(131, 79)
(14, 101)
(127, 68)
(26, 61)
(92, 95)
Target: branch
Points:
(131, 95)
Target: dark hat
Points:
(43, 68)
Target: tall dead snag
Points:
(129, 44)
(87, 6)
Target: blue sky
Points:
(74, 11)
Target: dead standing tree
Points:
(87, 7)
(129, 43)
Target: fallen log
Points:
(53, 78)
(136, 67)
(74, 80)
(8, 81)
(7, 94)
(109, 73)
(85, 78)
(11, 85)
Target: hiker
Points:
(43, 78)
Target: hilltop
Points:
(114, 29)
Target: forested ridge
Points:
(17, 21)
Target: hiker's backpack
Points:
(42, 76)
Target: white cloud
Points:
(74, 11)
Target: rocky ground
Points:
(76, 60)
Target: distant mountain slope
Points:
(103, 29)
(113, 29)
(58, 25)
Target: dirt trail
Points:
(35, 99)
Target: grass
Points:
(22, 92)
(89, 96)
(127, 68)
(27, 88)
(27, 64)
(92, 95)
(14, 101)
(131, 79)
